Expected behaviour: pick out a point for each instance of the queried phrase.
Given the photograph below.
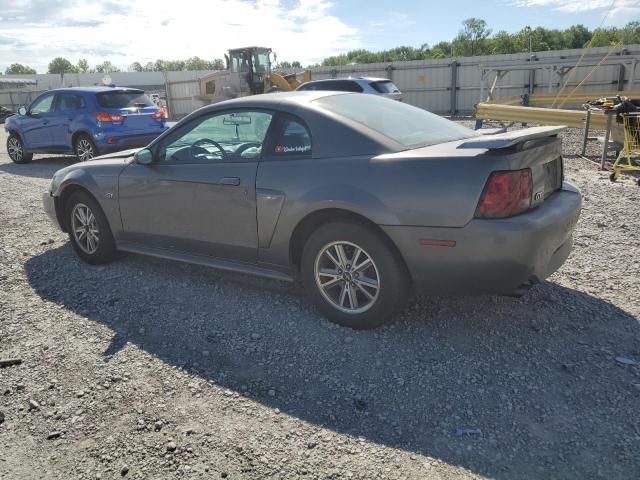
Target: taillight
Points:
(160, 115)
(105, 117)
(505, 194)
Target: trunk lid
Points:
(536, 148)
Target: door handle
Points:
(234, 181)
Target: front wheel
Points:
(353, 275)
(15, 149)
(89, 230)
(84, 148)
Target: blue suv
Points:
(85, 121)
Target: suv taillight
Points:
(505, 194)
(105, 117)
(160, 115)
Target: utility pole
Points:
(527, 29)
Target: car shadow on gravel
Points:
(505, 388)
(39, 167)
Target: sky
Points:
(33, 32)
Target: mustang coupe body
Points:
(363, 199)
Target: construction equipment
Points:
(248, 72)
(625, 161)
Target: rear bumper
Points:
(492, 256)
(108, 143)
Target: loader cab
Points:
(253, 64)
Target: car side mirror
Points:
(144, 157)
(22, 110)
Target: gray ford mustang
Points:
(362, 199)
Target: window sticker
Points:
(292, 148)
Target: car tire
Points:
(15, 149)
(89, 230)
(84, 148)
(361, 295)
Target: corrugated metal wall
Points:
(425, 83)
(428, 83)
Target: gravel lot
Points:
(150, 369)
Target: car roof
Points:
(375, 79)
(294, 98)
(96, 89)
(322, 80)
(325, 125)
(349, 79)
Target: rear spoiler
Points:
(510, 139)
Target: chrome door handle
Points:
(234, 181)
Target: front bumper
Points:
(492, 256)
(49, 206)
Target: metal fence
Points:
(444, 86)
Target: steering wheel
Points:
(246, 146)
(206, 141)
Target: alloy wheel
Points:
(84, 226)
(84, 150)
(14, 147)
(347, 277)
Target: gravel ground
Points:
(150, 369)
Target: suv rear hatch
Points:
(129, 110)
(387, 89)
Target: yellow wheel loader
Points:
(248, 72)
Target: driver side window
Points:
(219, 137)
(42, 105)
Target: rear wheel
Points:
(353, 275)
(84, 148)
(89, 230)
(15, 149)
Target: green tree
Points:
(61, 65)
(136, 67)
(195, 63)
(630, 34)
(106, 67)
(576, 36)
(83, 65)
(216, 64)
(18, 68)
(502, 42)
(473, 35)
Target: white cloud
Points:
(33, 32)
(623, 11)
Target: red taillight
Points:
(105, 117)
(505, 194)
(160, 114)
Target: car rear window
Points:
(384, 86)
(333, 85)
(124, 99)
(408, 125)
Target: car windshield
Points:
(410, 126)
(124, 99)
(384, 86)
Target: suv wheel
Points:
(84, 148)
(353, 275)
(89, 230)
(15, 149)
